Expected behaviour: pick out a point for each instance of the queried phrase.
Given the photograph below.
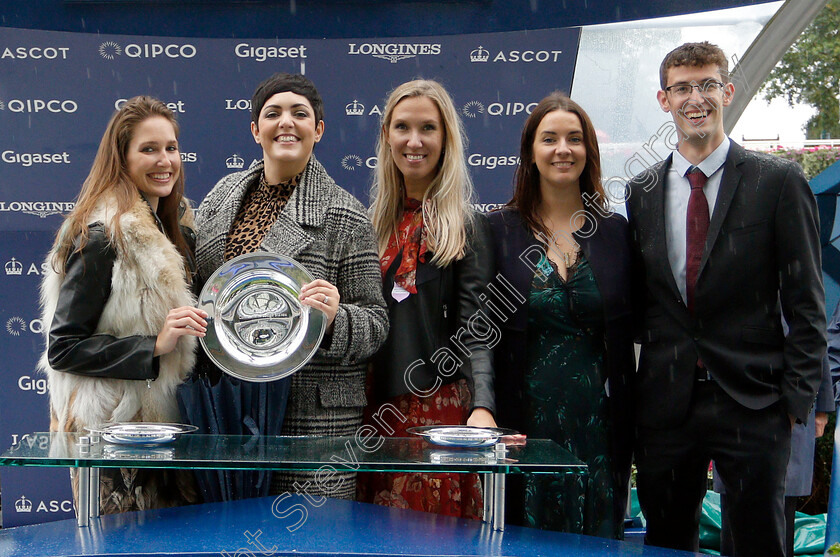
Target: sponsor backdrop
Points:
(57, 91)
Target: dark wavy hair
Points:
(526, 190)
(281, 83)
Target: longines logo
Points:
(35, 53)
(16, 325)
(491, 161)
(39, 105)
(28, 159)
(173, 106)
(189, 157)
(235, 161)
(237, 104)
(41, 209)
(263, 53)
(110, 50)
(394, 52)
(24, 505)
(351, 162)
(481, 55)
(473, 108)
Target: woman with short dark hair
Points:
(288, 204)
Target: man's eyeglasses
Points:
(684, 89)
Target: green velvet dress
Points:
(565, 400)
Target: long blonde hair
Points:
(109, 175)
(446, 203)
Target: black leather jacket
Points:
(430, 330)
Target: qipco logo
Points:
(110, 50)
(66, 106)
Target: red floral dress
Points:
(448, 494)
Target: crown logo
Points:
(480, 54)
(235, 161)
(14, 267)
(355, 108)
(23, 505)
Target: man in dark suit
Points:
(726, 243)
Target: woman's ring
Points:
(326, 299)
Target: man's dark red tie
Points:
(697, 226)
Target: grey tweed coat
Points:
(327, 230)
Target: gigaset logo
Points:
(35, 53)
(28, 159)
(491, 161)
(394, 52)
(110, 50)
(481, 55)
(173, 106)
(263, 53)
(40, 105)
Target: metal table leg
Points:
(498, 502)
(489, 494)
(83, 504)
(94, 493)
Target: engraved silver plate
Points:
(141, 433)
(461, 435)
(257, 329)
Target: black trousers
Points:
(726, 532)
(750, 449)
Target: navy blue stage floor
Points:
(294, 526)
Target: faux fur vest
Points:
(148, 280)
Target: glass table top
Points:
(231, 452)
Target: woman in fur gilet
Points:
(117, 301)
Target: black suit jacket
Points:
(608, 253)
(761, 261)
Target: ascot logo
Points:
(235, 162)
(110, 50)
(472, 109)
(41, 209)
(23, 505)
(14, 267)
(355, 108)
(481, 55)
(394, 52)
(351, 162)
(35, 53)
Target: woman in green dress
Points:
(565, 361)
